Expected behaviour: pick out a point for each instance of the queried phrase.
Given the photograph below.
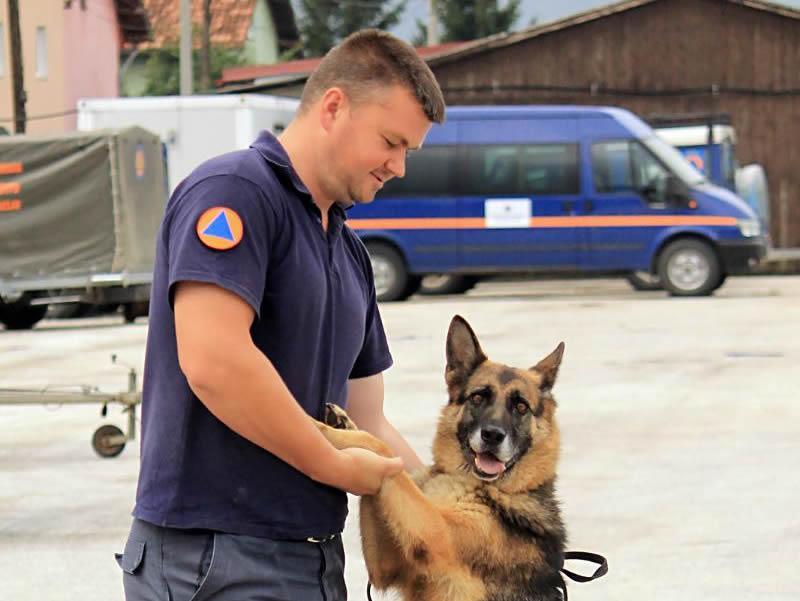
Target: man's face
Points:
(369, 142)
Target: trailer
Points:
(79, 214)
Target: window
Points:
(728, 164)
(2, 51)
(611, 167)
(627, 166)
(41, 53)
(522, 170)
(427, 174)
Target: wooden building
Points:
(659, 57)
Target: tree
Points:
(162, 69)
(461, 20)
(325, 23)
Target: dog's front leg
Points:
(382, 554)
(417, 524)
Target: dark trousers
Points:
(168, 564)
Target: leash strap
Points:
(602, 569)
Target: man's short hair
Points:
(372, 59)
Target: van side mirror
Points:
(676, 190)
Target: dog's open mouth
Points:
(488, 466)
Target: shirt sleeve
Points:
(219, 231)
(375, 356)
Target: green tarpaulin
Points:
(79, 204)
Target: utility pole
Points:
(186, 48)
(205, 48)
(17, 74)
(433, 24)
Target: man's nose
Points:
(397, 164)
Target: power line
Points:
(40, 117)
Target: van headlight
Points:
(749, 227)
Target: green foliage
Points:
(325, 23)
(462, 20)
(162, 69)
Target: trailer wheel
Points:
(21, 315)
(689, 267)
(392, 280)
(106, 441)
(130, 311)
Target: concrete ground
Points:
(680, 424)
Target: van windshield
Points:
(674, 161)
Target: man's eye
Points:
(389, 143)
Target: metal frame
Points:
(108, 441)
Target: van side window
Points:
(627, 166)
(522, 170)
(428, 172)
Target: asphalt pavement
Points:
(680, 425)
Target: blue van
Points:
(554, 189)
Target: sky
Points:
(543, 11)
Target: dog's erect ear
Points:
(548, 368)
(464, 353)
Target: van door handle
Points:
(567, 207)
(588, 206)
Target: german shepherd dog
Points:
(482, 523)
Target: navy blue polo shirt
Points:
(244, 221)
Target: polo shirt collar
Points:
(271, 149)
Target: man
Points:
(262, 310)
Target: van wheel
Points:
(447, 283)
(20, 315)
(643, 281)
(392, 280)
(689, 267)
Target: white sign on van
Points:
(507, 212)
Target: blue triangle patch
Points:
(220, 228)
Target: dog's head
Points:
(499, 423)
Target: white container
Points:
(193, 128)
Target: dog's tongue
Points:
(489, 464)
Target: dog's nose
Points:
(492, 435)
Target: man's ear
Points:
(331, 107)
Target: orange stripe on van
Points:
(466, 223)
(8, 206)
(10, 168)
(455, 223)
(10, 188)
(630, 221)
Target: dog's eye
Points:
(521, 407)
(476, 399)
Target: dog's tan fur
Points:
(448, 535)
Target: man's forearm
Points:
(389, 434)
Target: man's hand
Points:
(367, 470)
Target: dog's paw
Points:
(336, 417)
